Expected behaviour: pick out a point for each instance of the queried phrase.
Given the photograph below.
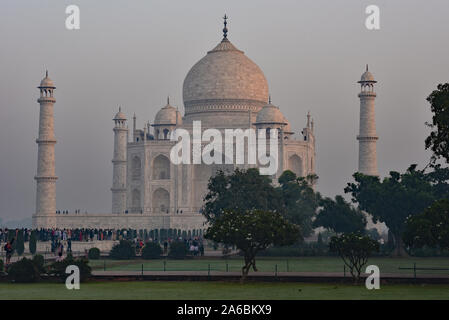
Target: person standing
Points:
(8, 250)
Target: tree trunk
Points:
(399, 250)
(254, 264)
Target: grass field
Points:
(301, 264)
(220, 290)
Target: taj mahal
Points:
(223, 90)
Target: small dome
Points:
(120, 116)
(270, 114)
(47, 82)
(168, 115)
(367, 76)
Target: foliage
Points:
(299, 201)
(2, 265)
(39, 262)
(373, 234)
(33, 242)
(438, 140)
(339, 216)
(430, 228)
(252, 231)
(58, 268)
(151, 250)
(178, 250)
(354, 249)
(124, 250)
(23, 271)
(93, 254)
(20, 245)
(242, 190)
(393, 199)
(245, 190)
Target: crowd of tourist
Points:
(61, 239)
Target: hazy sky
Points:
(135, 53)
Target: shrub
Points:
(177, 250)
(39, 261)
(94, 254)
(32, 243)
(20, 246)
(23, 271)
(123, 251)
(354, 249)
(58, 268)
(151, 250)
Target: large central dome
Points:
(225, 80)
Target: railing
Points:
(426, 269)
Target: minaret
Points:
(45, 216)
(119, 164)
(367, 135)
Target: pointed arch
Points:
(161, 168)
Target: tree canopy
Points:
(393, 199)
(339, 216)
(299, 202)
(242, 190)
(438, 140)
(430, 228)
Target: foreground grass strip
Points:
(220, 290)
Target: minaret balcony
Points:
(365, 138)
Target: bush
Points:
(32, 243)
(58, 268)
(123, 251)
(94, 254)
(23, 271)
(39, 261)
(151, 250)
(177, 250)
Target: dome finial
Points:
(367, 67)
(168, 100)
(46, 73)
(269, 99)
(225, 29)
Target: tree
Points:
(252, 231)
(392, 200)
(242, 190)
(339, 216)
(430, 228)
(32, 243)
(298, 199)
(20, 245)
(438, 140)
(354, 249)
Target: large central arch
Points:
(161, 201)
(161, 168)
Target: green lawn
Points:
(219, 290)
(301, 264)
